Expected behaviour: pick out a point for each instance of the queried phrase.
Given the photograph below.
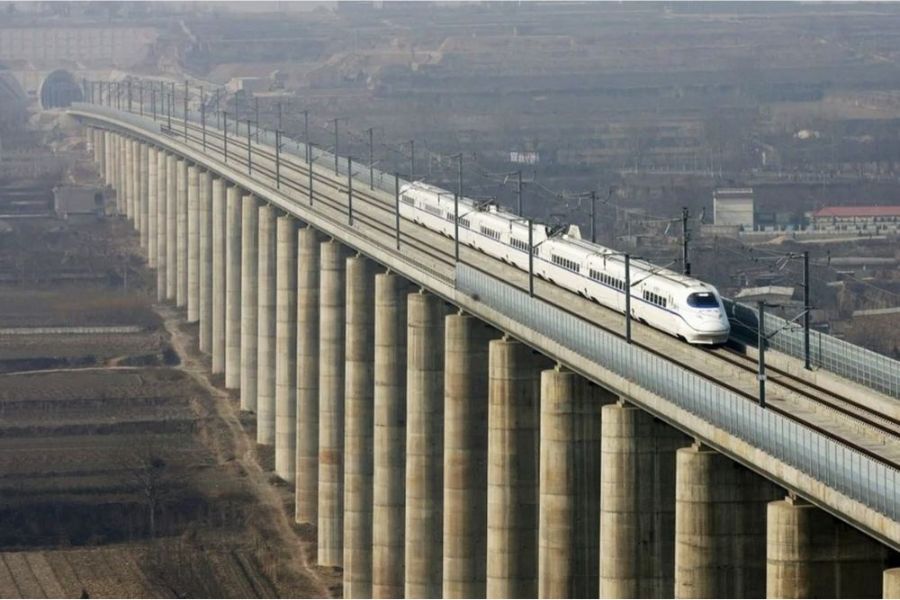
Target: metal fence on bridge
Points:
(854, 474)
(842, 358)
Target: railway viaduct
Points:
(452, 432)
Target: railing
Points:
(856, 475)
(852, 362)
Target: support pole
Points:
(371, 159)
(335, 146)
(225, 135)
(397, 209)
(806, 309)
(249, 150)
(685, 239)
(593, 217)
(761, 346)
(278, 158)
(531, 258)
(628, 298)
(350, 191)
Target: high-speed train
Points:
(677, 304)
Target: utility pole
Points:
(593, 217)
(141, 96)
(412, 160)
(128, 91)
(170, 99)
(278, 159)
(217, 108)
(519, 192)
(203, 115)
(225, 134)
(761, 346)
(350, 191)
(308, 150)
(456, 227)
(530, 257)
(685, 239)
(335, 146)
(627, 298)
(185, 109)
(153, 101)
(249, 150)
(806, 309)
(371, 131)
(397, 208)
(280, 127)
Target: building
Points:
(78, 202)
(733, 207)
(876, 220)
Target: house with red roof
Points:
(875, 220)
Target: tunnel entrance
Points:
(59, 89)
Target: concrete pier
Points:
(720, 523)
(513, 443)
(134, 184)
(218, 276)
(181, 233)
(307, 478)
(233, 288)
(171, 226)
(569, 509)
(128, 178)
(389, 478)
(265, 305)
(152, 210)
(810, 554)
(206, 261)
(162, 220)
(144, 195)
(286, 349)
(424, 445)
(332, 298)
(891, 583)
(637, 504)
(249, 294)
(466, 342)
(193, 244)
(358, 427)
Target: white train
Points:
(679, 305)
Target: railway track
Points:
(841, 406)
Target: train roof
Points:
(644, 265)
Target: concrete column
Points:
(122, 174)
(181, 233)
(331, 404)
(152, 207)
(193, 244)
(249, 292)
(307, 480)
(286, 349)
(569, 509)
(233, 288)
(134, 174)
(512, 520)
(358, 427)
(637, 504)
(810, 554)
(389, 479)
(206, 261)
(171, 227)
(218, 276)
(719, 526)
(128, 179)
(162, 220)
(466, 342)
(424, 445)
(144, 196)
(891, 583)
(265, 320)
(107, 158)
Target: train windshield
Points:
(703, 300)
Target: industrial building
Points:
(857, 219)
(733, 207)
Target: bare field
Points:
(132, 571)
